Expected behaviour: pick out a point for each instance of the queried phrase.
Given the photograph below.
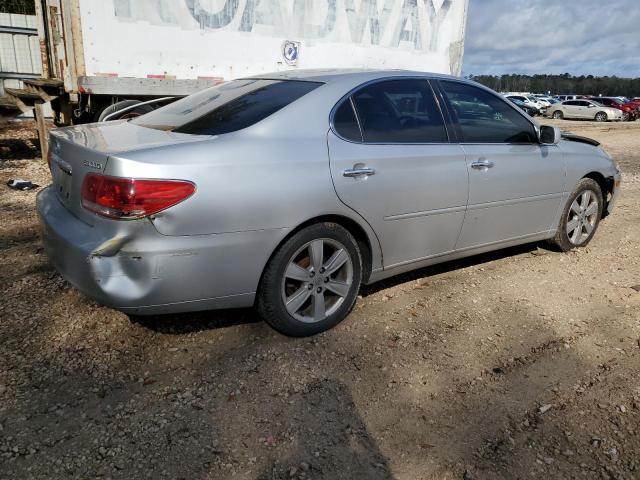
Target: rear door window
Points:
(227, 107)
(399, 111)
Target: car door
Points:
(515, 184)
(571, 109)
(585, 110)
(392, 162)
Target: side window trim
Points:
(355, 114)
(451, 123)
(509, 104)
(349, 96)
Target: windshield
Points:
(226, 107)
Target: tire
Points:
(567, 238)
(135, 112)
(601, 117)
(558, 115)
(626, 117)
(306, 281)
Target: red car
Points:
(635, 103)
(629, 110)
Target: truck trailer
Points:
(106, 59)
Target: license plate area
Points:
(62, 181)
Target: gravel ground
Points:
(522, 363)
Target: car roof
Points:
(354, 74)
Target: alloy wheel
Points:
(582, 217)
(317, 280)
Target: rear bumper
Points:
(129, 266)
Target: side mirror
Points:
(549, 135)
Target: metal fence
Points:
(19, 50)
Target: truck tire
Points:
(134, 112)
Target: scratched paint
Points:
(232, 38)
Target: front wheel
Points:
(557, 115)
(601, 117)
(311, 283)
(581, 216)
(626, 116)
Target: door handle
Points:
(359, 172)
(482, 164)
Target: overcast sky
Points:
(598, 37)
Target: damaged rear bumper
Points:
(131, 267)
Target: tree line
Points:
(562, 84)
(22, 7)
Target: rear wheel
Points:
(581, 216)
(311, 283)
(601, 117)
(558, 115)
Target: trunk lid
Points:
(76, 151)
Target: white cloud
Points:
(581, 37)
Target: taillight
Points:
(130, 198)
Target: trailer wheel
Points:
(134, 112)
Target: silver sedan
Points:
(289, 190)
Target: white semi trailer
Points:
(98, 53)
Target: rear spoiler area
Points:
(576, 138)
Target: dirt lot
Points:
(524, 363)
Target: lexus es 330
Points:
(288, 191)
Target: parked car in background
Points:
(543, 102)
(281, 191)
(584, 110)
(635, 103)
(532, 104)
(629, 112)
(547, 99)
(529, 110)
(563, 98)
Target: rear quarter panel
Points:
(257, 184)
(243, 182)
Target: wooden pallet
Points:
(36, 92)
(22, 100)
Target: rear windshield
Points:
(227, 107)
